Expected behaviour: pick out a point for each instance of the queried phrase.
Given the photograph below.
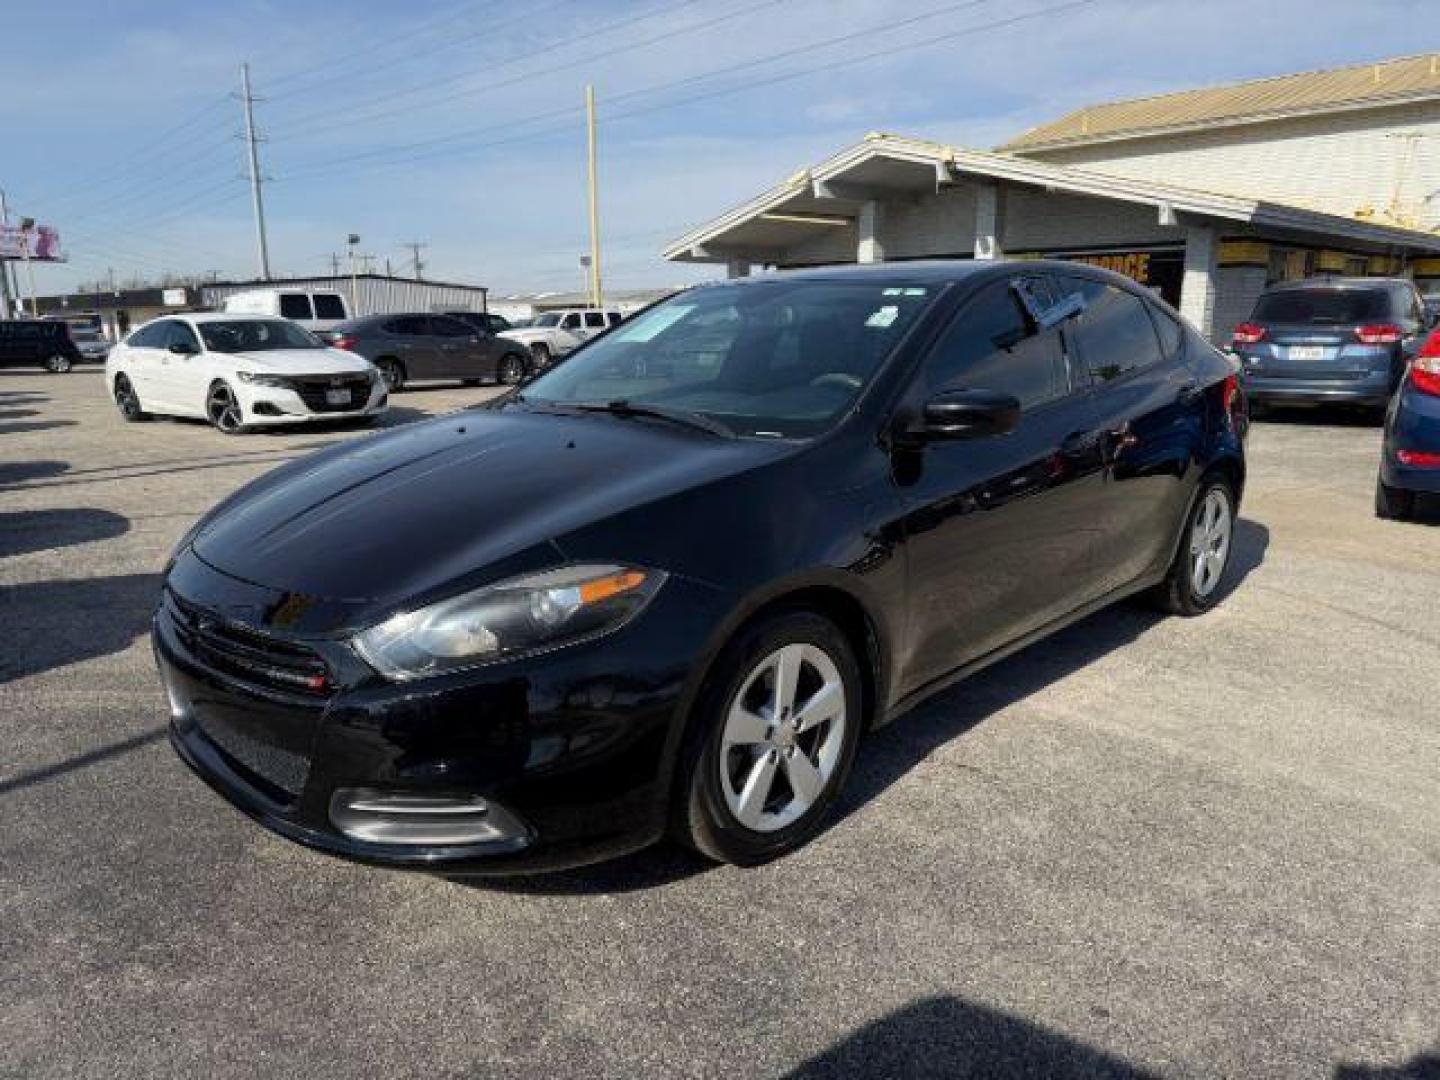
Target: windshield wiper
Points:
(622, 407)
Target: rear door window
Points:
(993, 345)
(1323, 307)
(1114, 331)
(408, 326)
(441, 326)
(329, 306)
(295, 306)
(570, 322)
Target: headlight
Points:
(526, 614)
(262, 380)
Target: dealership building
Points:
(1206, 196)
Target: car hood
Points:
(434, 507)
(301, 361)
(528, 333)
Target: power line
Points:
(326, 120)
(328, 166)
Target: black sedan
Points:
(727, 539)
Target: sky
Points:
(461, 125)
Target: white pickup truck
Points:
(555, 333)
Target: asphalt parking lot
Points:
(1145, 847)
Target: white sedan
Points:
(239, 371)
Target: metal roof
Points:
(1386, 82)
(917, 165)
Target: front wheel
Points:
(541, 353)
(774, 738)
(1393, 504)
(393, 374)
(1193, 584)
(512, 369)
(128, 401)
(58, 364)
(223, 410)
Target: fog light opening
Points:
(422, 820)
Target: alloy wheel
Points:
(783, 739)
(58, 365)
(223, 410)
(511, 370)
(1210, 541)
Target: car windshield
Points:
(768, 359)
(256, 335)
(550, 318)
(1340, 307)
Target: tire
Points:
(736, 794)
(128, 401)
(58, 364)
(393, 372)
(511, 369)
(1192, 585)
(223, 410)
(541, 354)
(1393, 504)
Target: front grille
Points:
(249, 655)
(312, 392)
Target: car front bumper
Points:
(555, 760)
(281, 405)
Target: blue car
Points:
(1410, 460)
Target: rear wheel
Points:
(223, 410)
(512, 369)
(128, 401)
(1193, 584)
(393, 373)
(58, 364)
(1393, 504)
(775, 736)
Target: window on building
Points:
(1115, 334)
(992, 345)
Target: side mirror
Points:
(966, 414)
(182, 348)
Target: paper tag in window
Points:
(884, 316)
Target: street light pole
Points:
(350, 242)
(26, 226)
(596, 297)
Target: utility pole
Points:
(262, 250)
(334, 265)
(388, 271)
(415, 247)
(596, 296)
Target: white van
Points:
(312, 309)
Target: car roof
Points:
(219, 316)
(935, 272)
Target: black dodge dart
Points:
(668, 586)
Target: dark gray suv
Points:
(1343, 340)
(419, 347)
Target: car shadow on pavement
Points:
(948, 1037)
(72, 620)
(18, 427)
(1424, 1066)
(23, 531)
(892, 752)
(18, 472)
(1320, 416)
(16, 414)
(81, 761)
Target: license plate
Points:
(337, 397)
(1306, 352)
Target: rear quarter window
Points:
(329, 306)
(295, 306)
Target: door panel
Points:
(461, 354)
(409, 336)
(1148, 420)
(1000, 535)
